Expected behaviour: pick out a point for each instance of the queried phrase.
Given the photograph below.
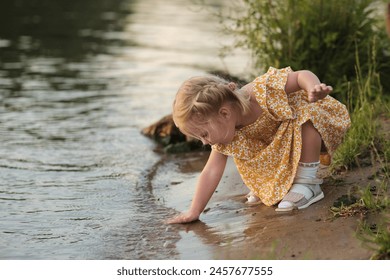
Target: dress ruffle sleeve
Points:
(275, 100)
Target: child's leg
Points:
(306, 189)
(311, 143)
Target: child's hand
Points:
(318, 92)
(183, 218)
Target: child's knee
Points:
(310, 132)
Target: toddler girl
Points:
(273, 127)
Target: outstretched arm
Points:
(207, 183)
(308, 81)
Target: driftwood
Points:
(164, 130)
(170, 137)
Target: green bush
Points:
(320, 35)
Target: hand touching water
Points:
(183, 218)
(318, 92)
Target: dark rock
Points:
(345, 200)
(171, 138)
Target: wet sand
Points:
(230, 229)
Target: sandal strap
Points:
(293, 197)
(310, 181)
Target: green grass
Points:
(365, 103)
(363, 141)
(376, 237)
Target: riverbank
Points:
(230, 229)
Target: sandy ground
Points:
(230, 229)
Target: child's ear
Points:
(225, 112)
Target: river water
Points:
(78, 81)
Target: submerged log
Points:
(165, 132)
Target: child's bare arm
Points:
(308, 81)
(207, 183)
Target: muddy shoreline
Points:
(230, 229)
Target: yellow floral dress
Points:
(267, 151)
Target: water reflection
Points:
(78, 81)
(61, 28)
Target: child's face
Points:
(219, 130)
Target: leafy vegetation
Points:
(320, 35)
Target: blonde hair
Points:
(200, 98)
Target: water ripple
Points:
(75, 172)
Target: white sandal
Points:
(252, 199)
(298, 200)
